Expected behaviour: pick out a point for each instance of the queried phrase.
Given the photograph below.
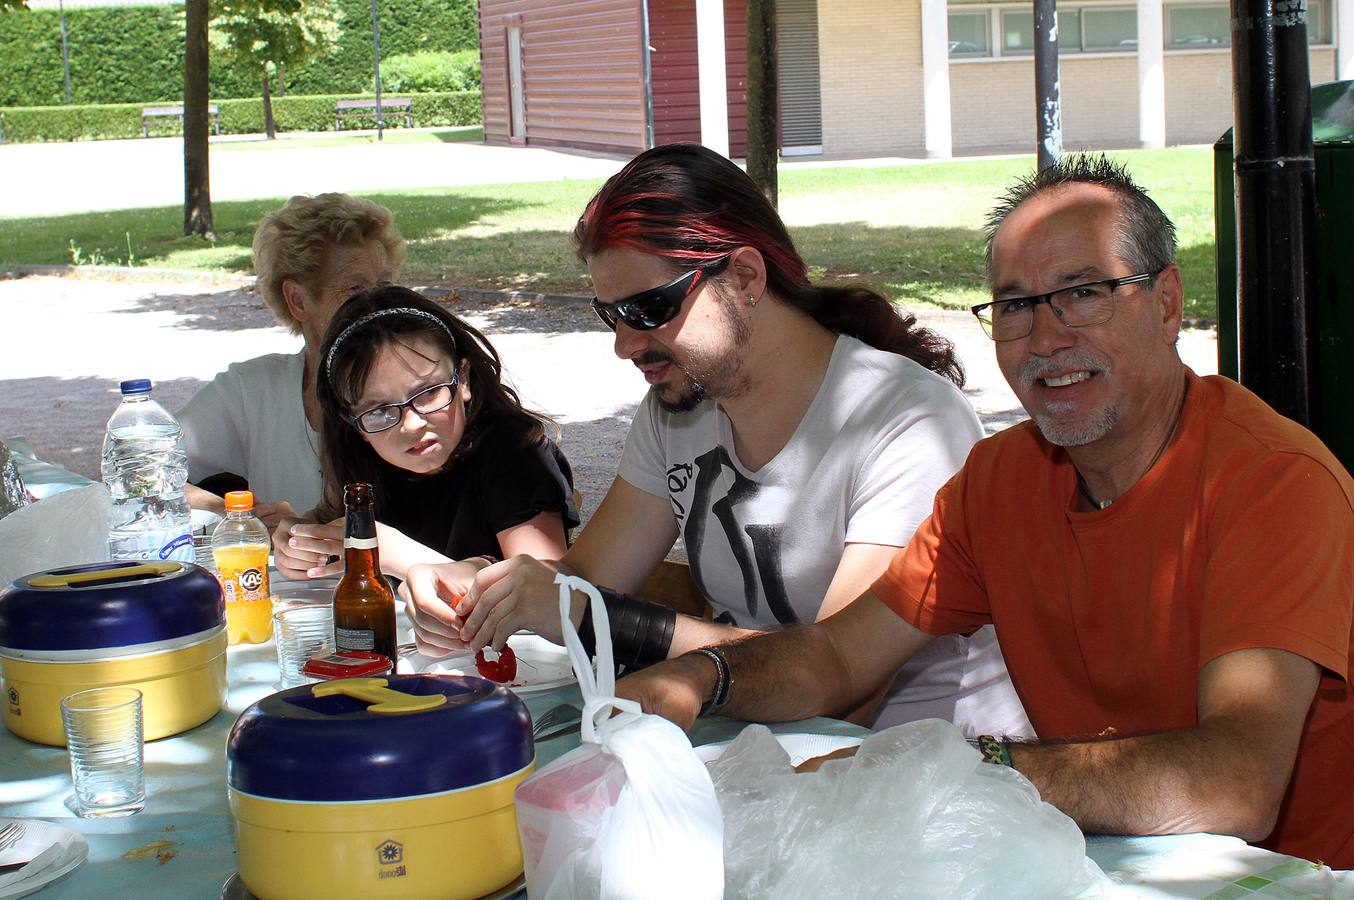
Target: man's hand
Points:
(675, 689)
(432, 594)
(304, 549)
(518, 593)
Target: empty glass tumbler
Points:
(301, 632)
(105, 739)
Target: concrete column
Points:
(1151, 75)
(1344, 41)
(714, 90)
(935, 68)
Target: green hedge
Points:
(20, 124)
(134, 54)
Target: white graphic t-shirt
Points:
(878, 440)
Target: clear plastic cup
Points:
(301, 632)
(105, 739)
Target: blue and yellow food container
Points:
(157, 626)
(398, 787)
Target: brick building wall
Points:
(870, 67)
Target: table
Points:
(186, 804)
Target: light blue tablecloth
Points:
(186, 804)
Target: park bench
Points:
(366, 109)
(172, 112)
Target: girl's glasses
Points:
(387, 416)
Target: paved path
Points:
(68, 341)
(82, 176)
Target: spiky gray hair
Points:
(1146, 240)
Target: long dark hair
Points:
(345, 456)
(693, 207)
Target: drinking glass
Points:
(105, 739)
(301, 632)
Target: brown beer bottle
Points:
(364, 604)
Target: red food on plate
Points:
(503, 670)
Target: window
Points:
(1006, 29)
(1109, 29)
(1017, 32)
(968, 34)
(1198, 26)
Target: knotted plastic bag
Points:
(915, 813)
(631, 813)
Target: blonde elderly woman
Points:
(257, 420)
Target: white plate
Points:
(541, 665)
(800, 746)
(38, 836)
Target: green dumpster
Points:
(1332, 308)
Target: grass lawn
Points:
(915, 230)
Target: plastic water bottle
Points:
(145, 467)
(240, 546)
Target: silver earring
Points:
(752, 301)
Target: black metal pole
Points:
(65, 51)
(1275, 199)
(376, 49)
(1047, 104)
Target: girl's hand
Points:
(518, 593)
(303, 549)
(432, 593)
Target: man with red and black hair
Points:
(793, 436)
(1167, 561)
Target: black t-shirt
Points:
(460, 511)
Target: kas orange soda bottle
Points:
(240, 547)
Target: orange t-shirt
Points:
(1241, 536)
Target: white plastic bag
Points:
(914, 813)
(629, 814)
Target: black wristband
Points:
(585, 632)
(641, 632)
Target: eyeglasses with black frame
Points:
(388, 415)
(1078, 306)
(657, 306)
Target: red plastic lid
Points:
(347, 664)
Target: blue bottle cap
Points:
(135, 386)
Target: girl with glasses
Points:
(412, 402)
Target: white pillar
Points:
(1151, 75)
(935, 70)
(714, 81)
(1344, 41)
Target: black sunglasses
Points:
(657, 306)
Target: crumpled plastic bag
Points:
(65, 529)
(915, 813)
(629, 814)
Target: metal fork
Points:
(555, 716)
(11, 834)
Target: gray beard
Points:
(1078, 434)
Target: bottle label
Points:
(355, 638)
(243, 570)
(181, 548)
(357, 543)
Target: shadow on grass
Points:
(459, 239)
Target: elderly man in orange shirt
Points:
(1168, 562)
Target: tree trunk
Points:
(763, 131)
(268, 127)
(197, 197)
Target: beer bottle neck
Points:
(359, 543)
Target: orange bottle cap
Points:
(236, 500)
